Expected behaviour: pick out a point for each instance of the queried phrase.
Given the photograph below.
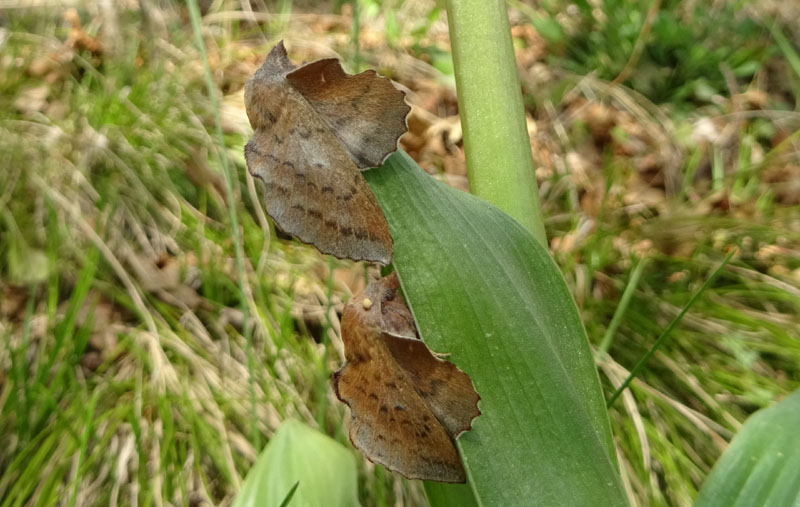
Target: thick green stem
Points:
(496, 142)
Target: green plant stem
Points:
(194, 13)
(496, 142)
(622, 307)
(661, 339)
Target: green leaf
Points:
(484, 291)
(303, 466)
(762, 464)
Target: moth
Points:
(407, 405)
(315, 128)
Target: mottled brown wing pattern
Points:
(445, 389)
(391, 424)
(313, 190)
(365, 111)
(407, 405)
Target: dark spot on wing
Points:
(252, 149)
(302, 132)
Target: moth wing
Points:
(313, 190)
(365, 111)
(445, 389)
(390, 423)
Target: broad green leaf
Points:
(484, 291)
(323, 471)
(762, 464)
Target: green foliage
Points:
(684, 55)
(762, 464)
(792, 57)
(485, 292)
(300, 467)
(642, 362)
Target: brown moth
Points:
(315, 128)
(407, 405)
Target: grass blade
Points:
(664, 335)
(624, 302)
(87, 430)
(230, 195)
(289, 495)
